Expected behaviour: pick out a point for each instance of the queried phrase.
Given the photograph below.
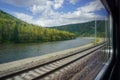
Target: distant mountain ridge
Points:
(86, 29)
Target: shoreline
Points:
(29, 62)
(6, 68)
(88, 37)
(45, 48)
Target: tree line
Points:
(17, 31)
(86, 29)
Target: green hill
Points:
(18, 31)
(84, 29)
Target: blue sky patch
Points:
(54, 12)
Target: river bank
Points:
(29, 62)
(13, 52)
(10, 67)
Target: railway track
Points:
(40, 72)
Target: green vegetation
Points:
(17, 31)
(85, 29)
(96, 41)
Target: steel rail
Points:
(4, 77)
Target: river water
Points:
(12, 52)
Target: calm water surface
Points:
(12, 52)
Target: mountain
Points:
(84, 29)
(17, 31)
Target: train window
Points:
(54, 39)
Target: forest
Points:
(86, 29)
(13, 30)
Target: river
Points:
(12, 52)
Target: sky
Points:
(49, 13)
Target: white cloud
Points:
(48, 15)
(58, 3)
(92, 6)
(23, 17)
(46, 6)
(25, 3)
(42, 7)
(73, 1)
(37, 6)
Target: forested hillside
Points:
(84, 29)
(17, 31)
